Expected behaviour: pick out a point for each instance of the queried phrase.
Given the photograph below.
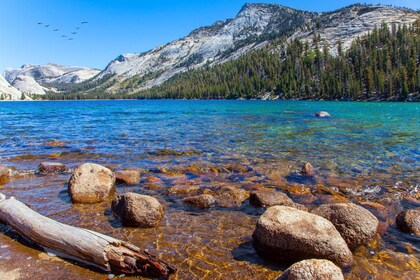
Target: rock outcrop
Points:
(7, 91)
(356, 224)
(290, 235)
(91, 183)
(138, 210)
(312, 269)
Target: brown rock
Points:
(312, 269)
(355, 224)
(288, 234)
(138, 210)
(183, 190)
(130, 177)
(203, 201)
(229, 196)
(238, 168)
(308, 170)
(268, 199)
(4, 173)
(322, 114)
(409, 221)
(91, 183)
(46, 168)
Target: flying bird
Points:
(70, 39)
(64, 36)
(77, 28)
(56, 30)
(84, 22)
(47, 25)
(74, 33)
(39, 22)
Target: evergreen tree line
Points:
(383, 65)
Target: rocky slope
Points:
(7, 91)
(254, 26)
(37, 79)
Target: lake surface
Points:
(367, 153)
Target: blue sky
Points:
(115, 26)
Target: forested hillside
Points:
(383, 65)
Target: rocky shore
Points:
(316, 241)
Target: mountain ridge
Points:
(253, 27)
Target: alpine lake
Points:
(367, 153)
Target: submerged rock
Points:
(91, 183)
(130, 177)
(409, 221)
(183, 190)
(4, 172)
(312, 269)
(322, 114)
(308, 170)
(290, 235)
(46, 168)
(138, 210)
(203, 201)
(228, 196)
(268, 199)
(356, 224)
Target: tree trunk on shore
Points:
(92, 248)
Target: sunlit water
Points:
(366, 153)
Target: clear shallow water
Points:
(365, 153)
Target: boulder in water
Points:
(91, 183)
(312, 269)
(138, 210)
(409, 221)
(287, 234)
(46, 168)
(203, 201)
(322, 114)
(130, 177)
(356, 224)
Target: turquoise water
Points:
(366, 153)
(359, 138)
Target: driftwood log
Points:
(82, 245)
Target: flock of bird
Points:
(69, 37)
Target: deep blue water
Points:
(360, 137)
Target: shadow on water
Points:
(245, 252)
(300, 179)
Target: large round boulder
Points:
(409, 221)
(91, 183)
(312, 269)
(288, 234)
(356, 224)
(138, 210)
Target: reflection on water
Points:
(366, 153)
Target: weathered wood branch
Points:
(92, 248)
